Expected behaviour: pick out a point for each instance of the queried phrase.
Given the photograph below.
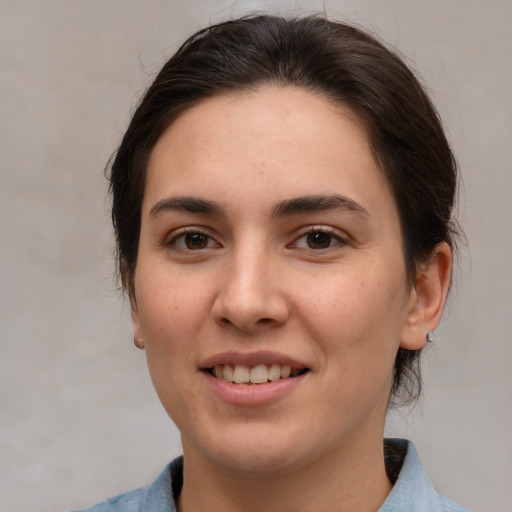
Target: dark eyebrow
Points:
(308, 204)
(186, 204)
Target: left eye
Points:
(193, 241)
(317, 240)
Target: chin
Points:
(257, 451)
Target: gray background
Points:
(79, 418)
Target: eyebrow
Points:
(186, 204)
(294, 206)
(309, 204)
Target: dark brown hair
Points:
(338, 61)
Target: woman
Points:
(282, 205)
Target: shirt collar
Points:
(412, 491)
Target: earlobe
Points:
(138, 339)
(427, 298)
(129, 286)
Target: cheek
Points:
(356, 313)
(170, 308)
(170, 317)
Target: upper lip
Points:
(251, 359)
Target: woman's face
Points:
(270, 243)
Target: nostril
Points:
(247, 313)
(262, 321)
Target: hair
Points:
(343, 64)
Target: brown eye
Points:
(193, 241)
(319, 240)
(196, 241)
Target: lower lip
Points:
(253, 394)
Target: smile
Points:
(258, 374)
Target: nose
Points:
(250, 294)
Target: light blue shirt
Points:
(412, 492)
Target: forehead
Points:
(269, 142)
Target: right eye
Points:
(193, 241)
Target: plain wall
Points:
(79, 418)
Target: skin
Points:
(255, 282)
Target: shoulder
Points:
(157, 496)
(126, 502)
(413, 491)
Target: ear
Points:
(427, 298)
(128, 281)
(138, 338)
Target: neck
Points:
(345, 480)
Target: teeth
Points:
(274, 372)
(285, 372)
(259, 374)
(228, 373)
(241, 375)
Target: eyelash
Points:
(333, 239)
(174, 242)
(321, 230)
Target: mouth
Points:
(258, 374)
